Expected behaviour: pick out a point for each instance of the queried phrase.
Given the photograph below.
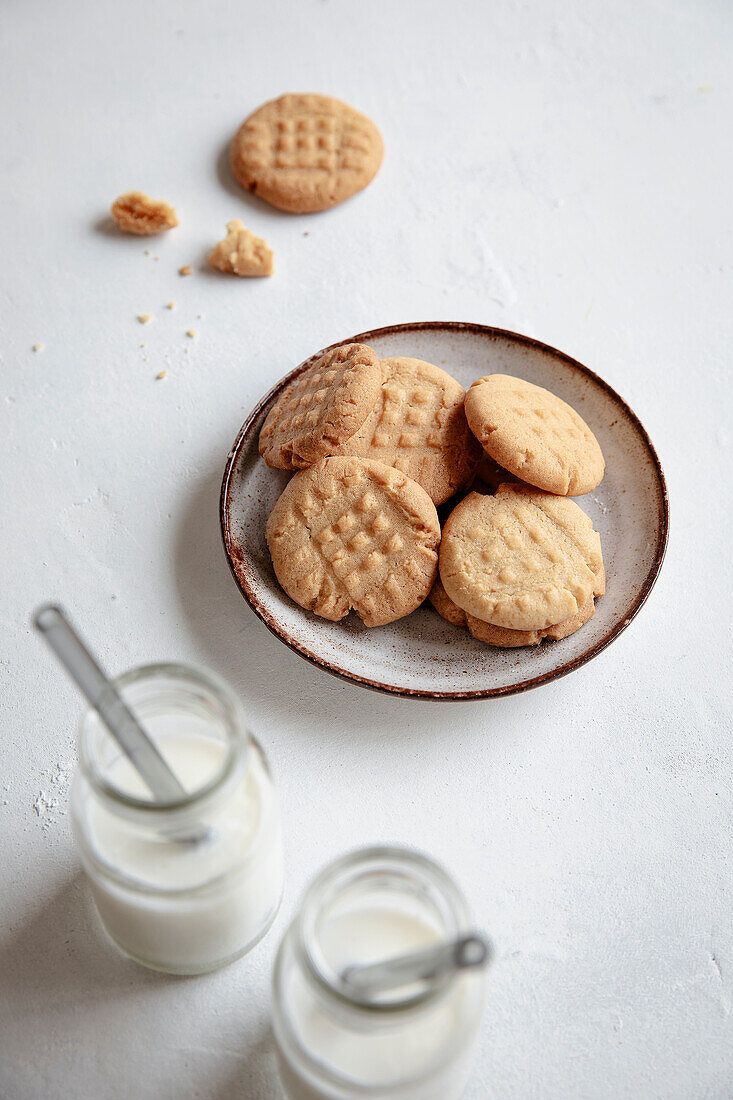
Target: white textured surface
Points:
(559, 168)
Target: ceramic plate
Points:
(422, 655)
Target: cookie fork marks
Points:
(322, 408)
(523, 560)
(350, 533)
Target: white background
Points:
(557, 168)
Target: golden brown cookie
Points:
(444, 605)
(522, 559)
(134, 212)
(304, 153)
(242, 253)
(510, 639)
(351, 533)
(418, 426)
(322, 408)
(534, 434)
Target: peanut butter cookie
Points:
(322, 408)
(134, 212)
(523, 559)
(304, 153)
(418, 426)
(511, 639)
(242, 253)
(534, 434)
(444, 605)
(352, 533)
(501, 636)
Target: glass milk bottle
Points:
(414, 1043)
(190, 885)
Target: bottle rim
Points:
(416, 869)
(232, 720)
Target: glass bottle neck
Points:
(196, 724)
(368, 906)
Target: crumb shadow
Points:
(105, 226)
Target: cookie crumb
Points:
(144, 318)
(161, 375)
(38, 347)
(135, 212)
(185, 270)
(242, 253)
(191, 332)
(171, 305)
(147, 251)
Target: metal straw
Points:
(467, 952)
(137, 745)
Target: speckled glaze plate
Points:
(422, 656)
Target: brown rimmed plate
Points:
(422, 656)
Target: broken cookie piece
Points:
(242, 253)
(135, 212)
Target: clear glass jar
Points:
(185, 886)
(416, 1043)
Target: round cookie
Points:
(351, 533)
(321, 408)
(523, 559)
(444, 605)
(303, 153)
(534, 434)
(418, 426)
(510, 639)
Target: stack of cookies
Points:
(378, 444)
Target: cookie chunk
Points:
(351, 533)
(444, 605)
(304, 153)
(322, 408)
(418, 426)
(134, 212)
(534, 434)
(523, 559)
(511, 639)
(241, 253)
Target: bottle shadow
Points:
(60, 956)
(65, 988)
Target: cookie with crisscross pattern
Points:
(501, 636)
(351, 533)
(304, 153)
(535, 435)
(418, 426)
(523, 559)
(322, 408)
(512, 639)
